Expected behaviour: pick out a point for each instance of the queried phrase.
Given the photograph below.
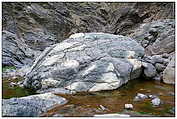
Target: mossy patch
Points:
(7, 67)
(15, 91)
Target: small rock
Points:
(157, 77)
(136, 98)
(14, 77)
(12, 84)
(142, 96)
(156, 101)
(158, 59)
(149, 70)
(152, 96)
(165, 55)
(57, 115)
(102, 107)
(20, 84)
(166, 61)
(128, 106)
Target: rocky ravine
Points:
(85, 61)
(38, 25)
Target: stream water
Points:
(104, 102)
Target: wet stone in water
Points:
(156, 102)
(129, 106)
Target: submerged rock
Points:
(140, 97)
(87, 62)
(31, 105)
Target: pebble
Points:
(102, 107)
(152, 96)
(57, 115)
(14, 77)
(156, 101)
(142, 96)
(12, 84)
(139, 97)
(128, 106)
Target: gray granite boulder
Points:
(169, 72)
(31, 105)
(87, 62)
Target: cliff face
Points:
(42, 24)
(28, 28)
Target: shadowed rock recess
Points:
(87, 62)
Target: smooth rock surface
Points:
(169, 72)
(87, 62)
(31, 106)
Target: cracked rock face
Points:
(157, 37)
(15, 52)
(31, 105)
(87, 62)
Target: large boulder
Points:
(169, 72)
(87, 62)
(31, 105)
(15, 52)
